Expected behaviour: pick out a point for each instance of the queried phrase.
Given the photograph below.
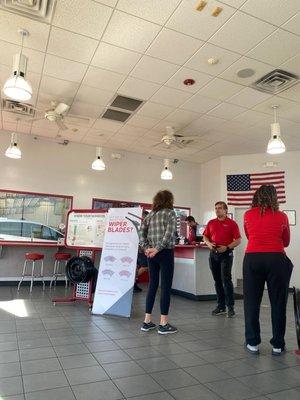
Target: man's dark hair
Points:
(190, 219)
(223, 204)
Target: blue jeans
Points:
(221, 266)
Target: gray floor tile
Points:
(63, 393)
(291, 394)
(43, 381)
(32, 335)
(65, 340)
(231, 389)
(10, 386)
(37, 354)
(39, 366)
(132, 386)
(107, 345)
(197, 392)
(215, 356)
(170, 348)
(186, 360)
(6, 346)
(8, 337)
(71, 350)
(77, 376)
(207, 373)
(154, 396)
(123, 369)
(141, 353)
(105, 390)
(111, 356)
(174, 379)
(9, 356)
(237, 368)
(34, 343)
(156, 364)
(10, 369)
(264, 384)
(83, 360)
(14, 397)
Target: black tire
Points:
(80, 269)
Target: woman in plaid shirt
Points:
(157, 238)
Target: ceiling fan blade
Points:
(77, 120)
(179, 145)
(191, 137)
(157, 144)
(61, 125)
(61, 108)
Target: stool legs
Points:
(42, 274)
(54, 273)
(57, 272)
(32, 276)
(23, 274)
(66, 275)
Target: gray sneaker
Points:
(230, 312)
(146, 327)
(166, 329)
(218, 311)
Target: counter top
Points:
(191, 246)
(31, 244)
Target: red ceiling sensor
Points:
(189, 82)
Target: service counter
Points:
(192, 275)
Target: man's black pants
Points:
(221, 266)
(275, 269)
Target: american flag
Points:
(241, 187)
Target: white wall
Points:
(210, 189)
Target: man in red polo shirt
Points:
(222, 235)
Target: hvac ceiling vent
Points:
(126, 103)
(40, 10)
(116, 115)
(18, 108)
(276, 81)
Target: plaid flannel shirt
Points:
(158, 230)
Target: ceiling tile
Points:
(177, 80)
(220, 89)
(258, 67)
(61, 68)
(72, 46)
(38, 32)
(204, 124)
(182, 117)
(154, 70)
(170, 97)
(94, 141)
(201, 25)
(234, 3)
(103, 79)
(130, 32)
(199, 103)
(107, 125)
(292, 94)
(142, 121)
(293, 25)
(292, 65)
(130, 131)
(155, 110)
(277, 48)
(87, 94)
(155, 10)
(276, 13)
(110, 3)
(199, 60)
(241, 33)
(266, 106)
(82, 16)
(115, 58)
(250, 117)
(248, 98)
(173, 46)
(86, 109)
(138, 89)
(59, 90)
(226, 111)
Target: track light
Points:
(17, 87)
(275, 145)
(166, 174)
(98, 164)
(13, 151)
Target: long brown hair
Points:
(163, 199)
(265, 197)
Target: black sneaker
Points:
(218, 311)
(136, 288)
(230, 312)
(166, 329)
(146, 327)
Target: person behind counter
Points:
(268, 233)
(157, 238)
(192, 224)
(142, 262)
(222, 235)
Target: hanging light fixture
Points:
(275, 145)
(98, 164)
(166, 174)
(17, 87)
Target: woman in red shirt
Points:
(268, 233)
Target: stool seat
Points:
(62, 256)
(34, 256)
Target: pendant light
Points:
(166, 174)
(275, 145)
(98, 164)
(17, 87)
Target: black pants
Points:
(276, 270)
(162, 263)
(221, 266)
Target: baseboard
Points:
(202, 297)
(27, 283)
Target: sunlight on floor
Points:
(15, 307)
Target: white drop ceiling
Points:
(145, 49)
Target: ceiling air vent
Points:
(276, 81)
(126, 103)
(122, 108)
(40, 10)
(116, 115)
(18, 108)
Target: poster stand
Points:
(84, 233)
(296, 298)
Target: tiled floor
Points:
(64, 353)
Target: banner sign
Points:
(117, 269)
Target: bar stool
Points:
(33, 257)
(57, 271)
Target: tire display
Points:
(296, 297)
(80, 269)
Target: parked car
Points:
(16, 230)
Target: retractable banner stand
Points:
(117, 269)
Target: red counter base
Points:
(297, 352)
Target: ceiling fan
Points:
(170, 138)
(57, 114)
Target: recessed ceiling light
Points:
(245, 73)
(200, 5)
(216, 11)
(212, 61)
